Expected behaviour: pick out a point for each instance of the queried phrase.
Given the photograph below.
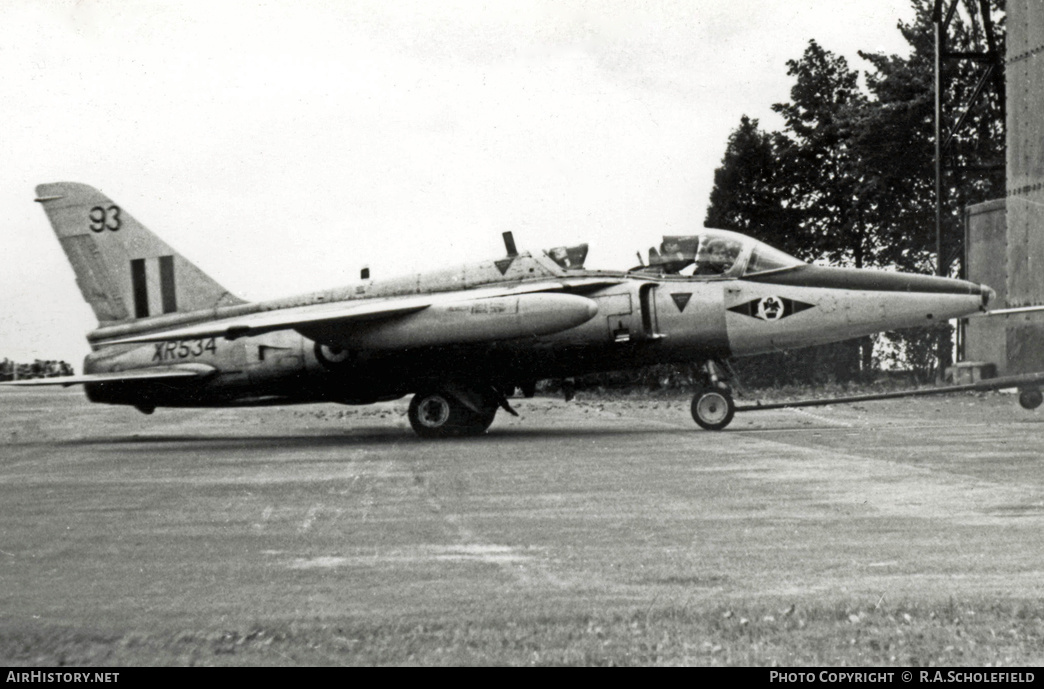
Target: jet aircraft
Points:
(460, 340)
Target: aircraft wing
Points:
(283, 319)
(138, 374)
(349, 311)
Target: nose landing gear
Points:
(712, 405)
(713, 408)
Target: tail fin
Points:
(124, 271)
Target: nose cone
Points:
(889, 299)
(988, 295)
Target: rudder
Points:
(123, 270)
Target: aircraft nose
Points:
(988, 295)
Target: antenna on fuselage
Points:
(509, 244)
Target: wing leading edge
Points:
(327, 316)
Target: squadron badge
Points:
(771, 308)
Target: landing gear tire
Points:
(1030, 399)
(477, 422)
(713, 408)
(437, 414)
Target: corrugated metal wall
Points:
(1025, 172)
(1025, 86)
(986, 242)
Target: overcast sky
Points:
(282, 145)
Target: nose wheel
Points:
(713, 408)
(712, 405)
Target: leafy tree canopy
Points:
(850, 179)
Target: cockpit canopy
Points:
(568, 257)
(715, 254)
(709, 254)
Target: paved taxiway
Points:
(224, 519)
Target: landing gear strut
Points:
(712, 405)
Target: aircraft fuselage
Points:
(463, 338)
(635, 319)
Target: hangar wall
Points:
(1023, 248)
(1025, 152)
(986, 243)
(1025, 197)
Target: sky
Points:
(282, 145)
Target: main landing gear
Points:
(449, 411)
(712, 405)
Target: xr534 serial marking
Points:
(183, 349)
(460, 340)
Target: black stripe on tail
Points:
(140, 286)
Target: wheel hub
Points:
(433, 412)
(712, 408)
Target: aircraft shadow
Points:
(371, 436)
(359, 436)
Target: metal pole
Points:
(939, 269)
(942, 341)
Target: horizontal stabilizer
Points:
(134, 375)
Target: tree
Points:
(896, 139)
(897, 146)
(850, 180)
(822, 170)
(750, 193)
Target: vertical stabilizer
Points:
(124, 271)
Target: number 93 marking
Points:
(105, 219)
